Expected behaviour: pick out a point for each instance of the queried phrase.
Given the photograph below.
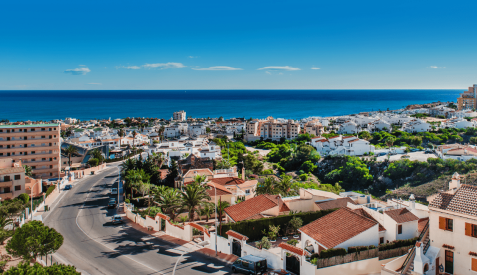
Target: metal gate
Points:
(163, 225)
(236, 248)
(293, 264)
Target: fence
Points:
(391, 253)
(348, 258)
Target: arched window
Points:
(426, 268)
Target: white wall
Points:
(273, 260)
(222, 244)
(368, 237)
(175, 231)
(391, 228)
(409, 231)
(154, 223)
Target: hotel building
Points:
(37, 146)
(468, 99)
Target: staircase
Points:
(408, 265)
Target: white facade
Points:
(339, 145)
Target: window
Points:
(245, 264)
(18, 188)
(17, 177)
(399, 228)
(446, 224)
(473, 264)
(381, 240)
(471, 230)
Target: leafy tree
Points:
(34, 239)
(353, 173)
(93, 162)
(37, 269)
(390, 140)
(308, 167)
(96, 153)
(473, 140)
(264, 243)
(193, 197)
(253, 164)
(365, 135)
(294, 224)
(28, 171)
(172, 173)
(207, 210)
(24, 198)
(267, 187)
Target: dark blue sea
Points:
(48, 105)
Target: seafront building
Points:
(272, 129)
(179, 116)
(37, 146)
(468, 99)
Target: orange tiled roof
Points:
(337, 227)
(293, 249)
(220, 190)
(401, 215)
(365, 214)
(421, 224)
(463, 201)
(227, 181)
(338, 203)
(254, 206)
(236, 235)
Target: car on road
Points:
(117, 219)
(250, 264)
(114, 191)
(278, 272)
(405, 156)
(112, 200)
(415, 150)
(382, 154)
(68, 187)
(112, 204)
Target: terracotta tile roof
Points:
(254, 206)
(227, 181)
(221, 191)
(463, 201)
(293, 249)
(12, 170)
(421, 224)
(236, 235)
(401, 215)
(338, 203)
(337, 227)
(365, 214)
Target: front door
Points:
(236, 248)
(293, 264)
(449, 268)
(437, 266)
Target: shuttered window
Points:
(473, 265)
(446, 224)
(471, 230)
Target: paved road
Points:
(95, 246)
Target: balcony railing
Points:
(6, 183)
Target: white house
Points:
(416, 126)
(349, 127)
(339, 145)
(211, 151)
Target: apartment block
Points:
(468, 99)
(179, 116)
(37, 146)
(272, 129)
(12, 179)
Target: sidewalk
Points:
(191, 246)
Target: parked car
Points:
(250, 265)
(114, 191)
(415, 150)
(68, 187)
(279, 272)
(382, 154)
(405, 156)
(117, 219)
(112, 204)
(112, 200)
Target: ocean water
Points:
(295, 104)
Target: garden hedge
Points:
(253, 228)
(332, 252)
(397, 244)
(50, 189)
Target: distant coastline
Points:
(294, 104)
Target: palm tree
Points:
(284, 186)
(134, 138)
(96, 153)
(267, 187)
(128, 165)
(207, 210)
(120, 134)
(69, 151)
(135, 179)
(193, 197)
(389, 141)
(146, 187)
(200, 179)
(169, 199)
(221, 205)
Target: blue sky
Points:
(54, 45)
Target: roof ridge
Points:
(351, 210)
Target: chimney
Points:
(454, 184)
(412, 201)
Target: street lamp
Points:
(119, 182)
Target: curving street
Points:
(95, 246)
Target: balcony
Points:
(6, 183)
(6, 195)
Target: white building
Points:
(180, 116)
(349, 127)
(416, 126)
(339, 145)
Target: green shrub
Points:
(292, 242)
(332, 252)
(50, 189)
(24, 197)
(126, 201)
(303, 177)
(253, 228)
(267, 172)
(397, 244)
(353, 249)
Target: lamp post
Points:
(119, 182)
